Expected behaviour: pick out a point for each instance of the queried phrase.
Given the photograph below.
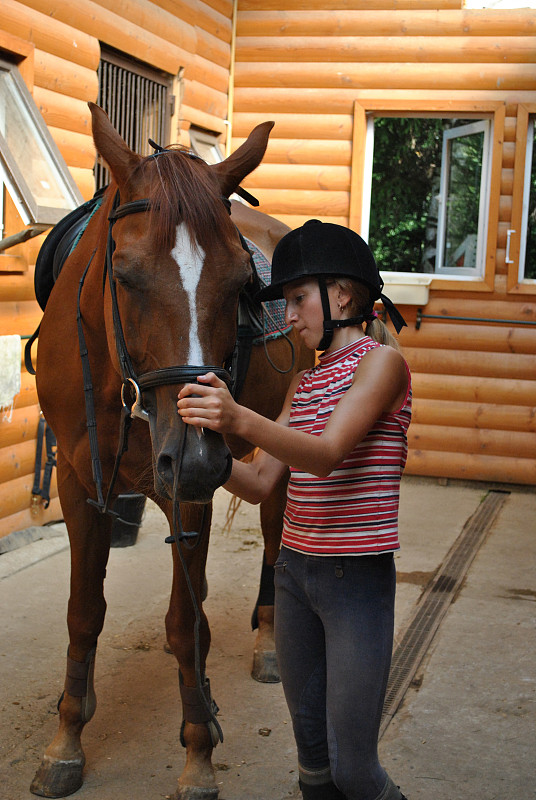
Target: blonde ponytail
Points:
(380, 333)
(360, 300)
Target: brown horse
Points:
(145, 302)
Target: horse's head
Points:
(178, 267)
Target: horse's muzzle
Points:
(191, 465)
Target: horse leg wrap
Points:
(79, 683)
(198, 709)
(266, 591)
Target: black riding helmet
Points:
(324, 250)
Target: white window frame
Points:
(204, 143)
(11, 174)
(481, 126)
(526, 198)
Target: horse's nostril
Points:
(165, 468)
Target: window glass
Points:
(528, 239)
(206, 145)
(429, 194)
(30, 164)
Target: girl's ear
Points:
(344, 296)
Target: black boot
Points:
(322, 791)
(391, 792)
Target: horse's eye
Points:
(123, 277)
(122, 281)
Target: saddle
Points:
(59, 244)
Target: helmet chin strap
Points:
(331, 324)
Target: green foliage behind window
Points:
(405, 185)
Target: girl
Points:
(342, 432)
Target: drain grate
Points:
(436, 601)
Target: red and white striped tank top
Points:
(354, 510)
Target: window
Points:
(425, 188)
(206, 145)
(32, 170)
(139, 101)
(527, 255)
(521, 236)
(429, 192)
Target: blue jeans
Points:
(334, 637)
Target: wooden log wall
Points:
(57, 45)
(304, 64)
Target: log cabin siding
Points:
(305, 65)
(57, 45)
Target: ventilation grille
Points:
(137, 100)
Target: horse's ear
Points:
(112, 147)
(231, 172)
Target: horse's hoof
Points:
(265, 669)
(56, 778)
(196, 793)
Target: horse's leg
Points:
(265, 667)
(198, 733)
(60, 773)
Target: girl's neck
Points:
(345, 336)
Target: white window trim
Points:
(367, 177)
(483, 126)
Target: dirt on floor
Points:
(465, 728)
(133, 739)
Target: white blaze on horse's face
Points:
(190, 257)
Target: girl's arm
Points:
(379, 387)
(253, 481)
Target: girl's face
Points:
(304, 309)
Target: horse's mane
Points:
(184, 190)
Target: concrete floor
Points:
(466, 728)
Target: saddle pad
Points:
(274, 317)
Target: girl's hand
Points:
(208, 404)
